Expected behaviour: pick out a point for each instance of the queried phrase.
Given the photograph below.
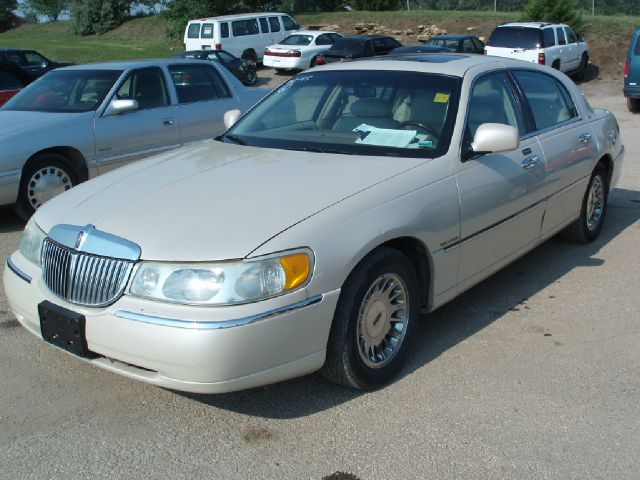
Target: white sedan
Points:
(316, 230)
(300, 50)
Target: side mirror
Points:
(494, 138)
(118, 107)
(231, 117)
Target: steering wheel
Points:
(429, 130)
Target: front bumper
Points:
(195, 349)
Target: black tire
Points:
(346, 349)
(37, 169)
(593, 211)
(556, 65)
(251, 78)
(250, 55)
(582, 69)
(313, 62)
(633, 104)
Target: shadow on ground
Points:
(9, 221)
(453, 323)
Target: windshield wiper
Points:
(234, 139)
(321, 150)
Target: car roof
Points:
(222, 18)
(453, 64)
(531, 24)
(123, 65)
(315, 33)
(365, 37)
(9, 49)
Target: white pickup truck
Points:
(552, 44)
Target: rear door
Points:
(203, 98)
(567, 143)
(133, 135)
(633, 78)
(574, 54)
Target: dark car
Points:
(632, 74)
(12, 80)
(358, 46)
(457, 43)
(244, 70)
(420, 49)
(32, 62)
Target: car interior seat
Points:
(372, 111)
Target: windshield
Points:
(516, 37)
(65, 91)
(392, 113)
(297, 40)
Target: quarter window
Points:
(147, 87)
(550, 102)
(197, 83)
(549, 37)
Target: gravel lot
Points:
(532, 374)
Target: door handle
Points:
(168, 121)
(530, 162)
(585, 138)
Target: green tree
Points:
(98, 16)
(181, 11)
(47, 8)
(6, 13)
(562, 11)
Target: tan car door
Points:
(501, 197)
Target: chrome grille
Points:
(83, 278)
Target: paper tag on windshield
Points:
(383, 137)
(441, 98)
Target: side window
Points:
(195, 84)
(562, 40)
(288, 23)
(637, 48)
(193, 30)
(378, 45)
(478, 44)
(549, 37)
(224, 30)
(275, 24)
(391, 43)
(16, 58)
(207, 30)
(8, 81)
(242, 28)
(226, 57)
(324, 40)
(147, 87)
(550, 102)
(213, 57)
(264, 25)
(334, 37)
(468, 46)
(571, 37)
(492, 101)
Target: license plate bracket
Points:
(63, 328)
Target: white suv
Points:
(552, 44)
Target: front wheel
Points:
(594, 208)
(47, 176)
(251, 78)
(373, 323)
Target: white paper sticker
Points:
(383, 137)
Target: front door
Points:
(501, 197)
(151, 128)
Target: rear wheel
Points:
(48, 175)
(374, 320)
(594, 208)
(633, 104)
(582, 69)
(250, 54)
(313, 62)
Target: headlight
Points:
(223, 283)
(31, 242)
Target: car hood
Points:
(18, 124)
(215, 201)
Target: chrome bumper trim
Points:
(216, 325)
(14, 268)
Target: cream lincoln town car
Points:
(312, 234)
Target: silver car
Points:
(313, 233)
(78, 122)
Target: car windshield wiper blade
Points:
(321, 150)
(234, 139)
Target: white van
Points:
(245, 35)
